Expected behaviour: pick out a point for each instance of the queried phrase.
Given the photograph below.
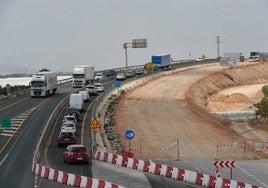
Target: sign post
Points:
(118, 85)
(129, 134)
(224, 164)
(94, 125)
(136, 43)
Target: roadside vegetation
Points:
(11, 90)
(262, 106)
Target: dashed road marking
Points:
(16, 124)
(253, 177)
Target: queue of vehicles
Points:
(74, 152)
(83, 76)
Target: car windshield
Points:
(68, 125)
(66, 134)
(78, 149)
(72, 110)
(69, 119)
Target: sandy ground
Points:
(239, 98)
(166, 127)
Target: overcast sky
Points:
(59, 34)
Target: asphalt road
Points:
(16, 157)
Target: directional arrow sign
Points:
(224, 164)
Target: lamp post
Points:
(125, 47)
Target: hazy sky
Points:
(59, 34)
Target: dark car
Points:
(129, 74)
(73, 111)
(110, 73)
(139, 72)
(66, 137)
(75, 153)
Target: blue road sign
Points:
(129, 134)
(117, 84)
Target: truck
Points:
(162, 61)
(82, 75)
(43, 84)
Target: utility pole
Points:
(218, 46)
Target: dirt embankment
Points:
(233, 77)
(159, 113)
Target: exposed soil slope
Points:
(166, 126)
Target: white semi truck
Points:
(43, 84)
(82, 75)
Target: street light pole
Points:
(125, 47)
(126, 56)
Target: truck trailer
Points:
(162, 62)
(43, 84)
(82, 75)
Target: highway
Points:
(16, 157)
(17, 154)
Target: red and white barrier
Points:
(70, 179)
(172, 172)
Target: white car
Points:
(69, 118)
(98, 76)
(91, 89)
(99, 87)
(120, 76)
(69, 125)
(199, 59)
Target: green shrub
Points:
(265, 90)
(262, 108)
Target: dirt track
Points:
(164, 123)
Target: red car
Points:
(66, 137)
(75, 153)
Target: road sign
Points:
(95, 124)
(224, 164)
(129, 134)
(150, 66)
(139, 43)
(258, 148)
(117, 84)
(5, 122)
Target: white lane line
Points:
(3, 159)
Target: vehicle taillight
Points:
(73, 138)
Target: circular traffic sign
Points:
(258, 147)
(129, 134)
